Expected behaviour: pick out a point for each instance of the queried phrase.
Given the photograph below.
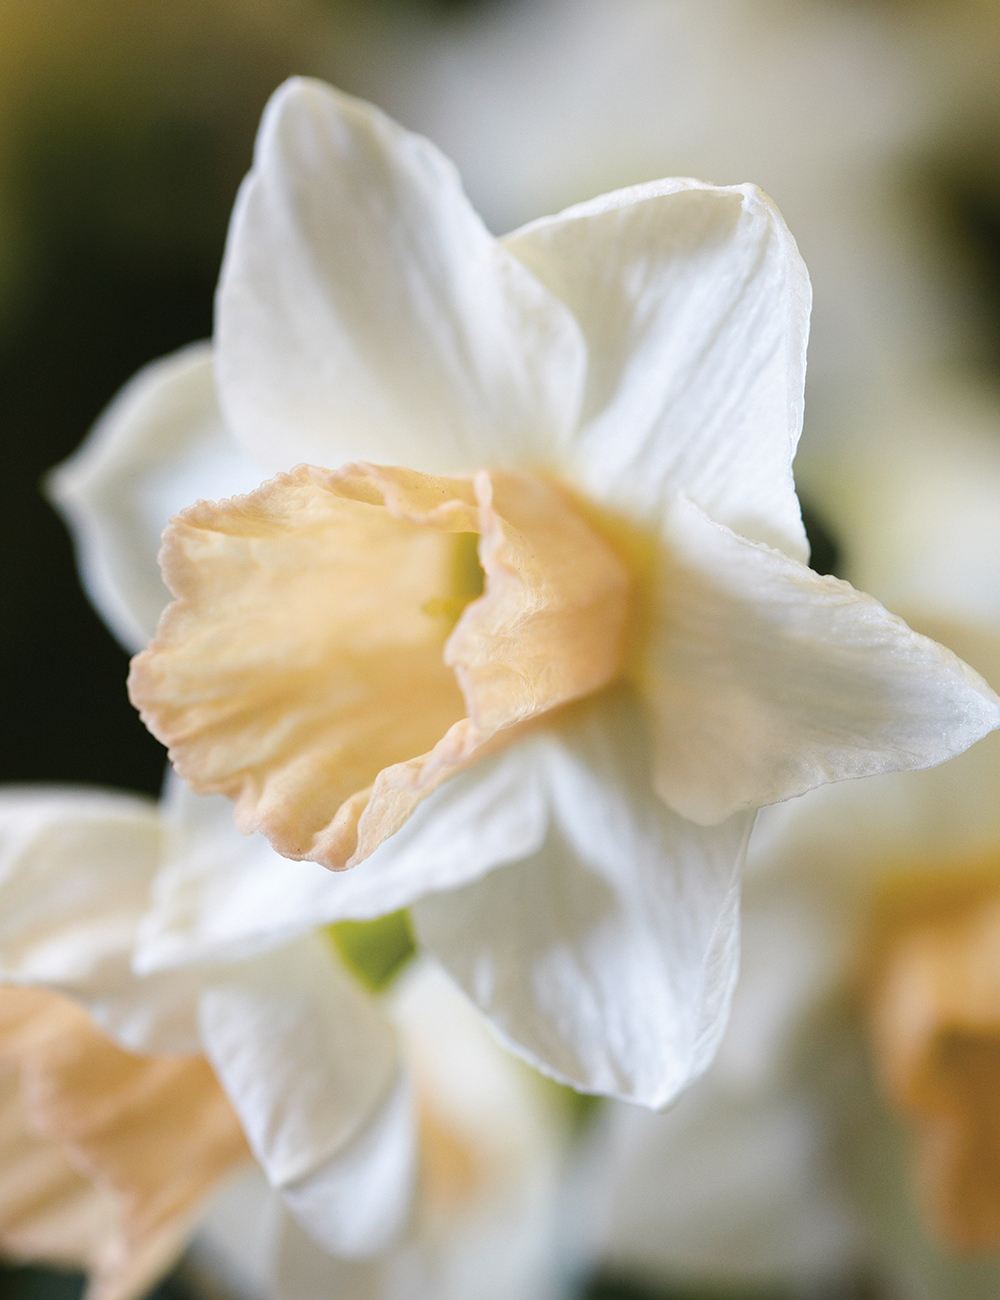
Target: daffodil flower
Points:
(522, 631)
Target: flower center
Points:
(467, 581)
(344, 641)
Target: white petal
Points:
(249, 1247)
(235, 1245)
(76, 867)
(494, 1145)
(159, 446)
(792, 965)
(607, 958)
(695, 306)
(754, 1193)
(728, 1187)
(843, 841)
(306, 1272)
(311, 1066)
(358, 1201)
(365, 312)
(222, 893)
(76, 871)
(766, 680)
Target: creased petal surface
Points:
(76, 873)
(365, 312)
(159, 446)
(765, 680)
(607, 958)
(842, 841)
(357, 1203)
(694, 304)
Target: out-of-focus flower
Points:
(405, 1145)
(825, 105)
(630, 376)
(487, 1211)
(105, 1155)
(859, 1078)
(331, 1127)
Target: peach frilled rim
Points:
(328, 663)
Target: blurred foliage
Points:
(974, 208)
(124, 133)
(824, 549)
(46, 1284)
(376, 951)
(445, 8)
(42, 1284)
(583, 1107)
(613, 1287)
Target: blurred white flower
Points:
(630, 373)
(404, 1156)
(831, 108)
(331, 1128)
(106, 1155)
(489, 1208)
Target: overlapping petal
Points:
(365, 312)
(694, 303)
(317, 1103)
(606, 958)
(312, 1069)
(765, 680)
(76, 869)
(159, 446)
(487, 1218)
(222, 893)
(76, 875)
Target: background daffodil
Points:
(399, 1141)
